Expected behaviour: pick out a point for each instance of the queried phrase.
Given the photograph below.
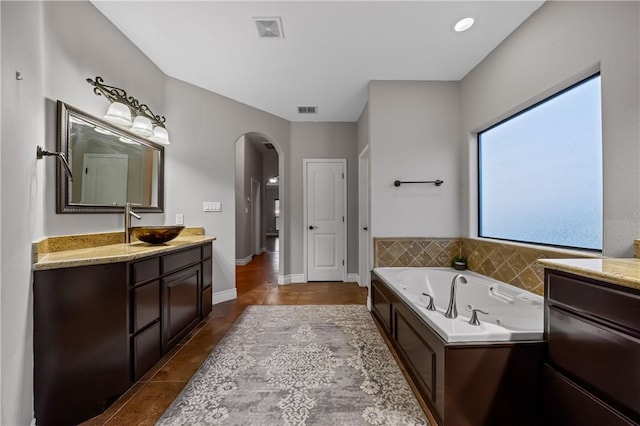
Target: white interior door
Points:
(104, 179)
(325, 214)
(364, 245)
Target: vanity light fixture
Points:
(463, 25)
(123, 107)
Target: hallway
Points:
(256, 283)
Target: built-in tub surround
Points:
(512, 263)
(511, 313)
(466, 382)
(94, 249)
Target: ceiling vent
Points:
(307, 109)
(269, 27)
(268, 145)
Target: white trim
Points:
(263, 250)
(364, 217)
(345, 211)
(242, 262)
(291, 279)
(224, 296)
(354, 278)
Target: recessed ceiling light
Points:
(463, 24)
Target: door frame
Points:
(364, 218)
(305, 221)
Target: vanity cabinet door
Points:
(180, 298)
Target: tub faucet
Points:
(128, 212)
(452, 310)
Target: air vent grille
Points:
(268, 145)
(269, 27)
(307, 109)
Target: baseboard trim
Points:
(242, 262)
(224, 296)
(291, 279)
(354, 278)
(263, 250)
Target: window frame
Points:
(479, 168)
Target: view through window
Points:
(540, 172)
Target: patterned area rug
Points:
(298, 365)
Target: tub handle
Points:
(430, 306)
(501, 296)
(474, 316)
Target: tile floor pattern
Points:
(257, 284)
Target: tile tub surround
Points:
(415, 252)
(511, 263)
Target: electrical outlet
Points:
(179, 219)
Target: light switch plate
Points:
(179, 219)
(211, 206)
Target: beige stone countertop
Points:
(623, 272)
(113, 253)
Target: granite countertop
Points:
(623, 272)
(113, 253)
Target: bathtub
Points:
(514, 314)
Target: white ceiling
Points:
(330, 51)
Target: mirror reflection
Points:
(111, 166)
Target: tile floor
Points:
(256, 282)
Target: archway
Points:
(259, 200)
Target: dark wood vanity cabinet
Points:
(464, 384)
(592, 369)
(100, 328)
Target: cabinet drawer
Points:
(620, 307)
(173, 262)
(147, 350)
(566, 403)
(207, 301)
(146, 270)
(604, 358)
(146, 301)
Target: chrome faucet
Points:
(452, 310)
(128, 212)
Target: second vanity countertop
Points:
(623, 272)
(113, 253)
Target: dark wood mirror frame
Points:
(64, 202)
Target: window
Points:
(540, 172)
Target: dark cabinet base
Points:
(99, 328)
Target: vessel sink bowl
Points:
(156, 234)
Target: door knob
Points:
(365, 229)
(311, 227)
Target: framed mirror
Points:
(110, 166)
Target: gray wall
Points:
(201, 163)
(363, 129)
(54, 57)
(248, 166)
(558, 45)
(322, 140)
(414, 135)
